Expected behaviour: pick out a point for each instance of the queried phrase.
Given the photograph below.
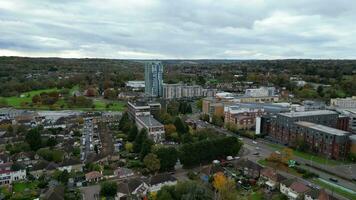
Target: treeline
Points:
(207, 150)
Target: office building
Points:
(154, 79)
(142, 108)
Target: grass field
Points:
(22, 186)
(308, 156)
(24, 100)
(339, 190)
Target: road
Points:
(88, 135)
(265, 150)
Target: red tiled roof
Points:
(299, 187)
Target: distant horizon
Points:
(181, 59)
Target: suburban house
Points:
(158, 181)
(248, 168)
(93, 176)
(318, 194)
(123, 172)
(9, 176)
(270, 178)
(293, 189)
(132, 188)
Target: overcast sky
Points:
(193, 29)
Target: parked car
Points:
(333, 179)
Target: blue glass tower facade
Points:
(154, 79)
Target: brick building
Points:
(318, 129)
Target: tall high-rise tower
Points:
(154, 79)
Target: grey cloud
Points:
(236, 29)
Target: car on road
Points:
(257, 148)
(254, 142)
(237, 157)
(256, 154)
(333, 179)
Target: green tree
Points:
(217, 120)
(140, 138)
(33, 138)
(152, 162)
(180, 126)
(125, 123)
(108, 189)
(132, 133)
(146, 148)
(167, 156)
(164, 195)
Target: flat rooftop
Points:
(149, 120)
(308, 113)
(322, 128)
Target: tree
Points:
(191, 190)
(51, 142)
(199, 104)
(180, 126)
(169, 129)
(129, 147)
(140, 138)
(108, 189)
(168, 157)
(33, 138)
(287, 154)
(225, 187)
(217, 120)
(191, 154)
(110, 94)
(219, 181)
(152, 162)
(125, 123)
(146, 148)
(164, 195)
(132, 133)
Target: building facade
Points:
(154, 79)
(243, 118)
(177, 91)
(349, 102)
(316, 129)
(154, 128)
(9, 176)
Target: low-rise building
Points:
(158, 181)
(154, 128)
(271, 179)
(93, 176)
(293, 189)
(242, 117)
(142, 108)
(318, 194)
(9, 176)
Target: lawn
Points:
(309, 156)
(21, 186)
(23, 101)
(335, 188)
(256, 196)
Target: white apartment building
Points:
(349, 102)
(261, 92)
(9, 176)
(177, 91)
